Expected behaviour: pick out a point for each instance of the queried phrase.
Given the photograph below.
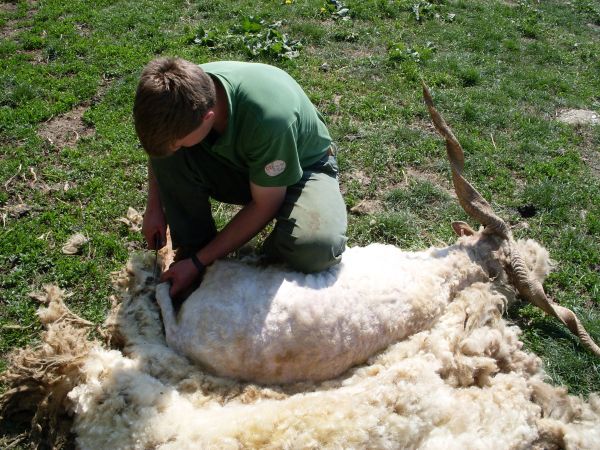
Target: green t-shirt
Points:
(273, 129)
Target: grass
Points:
(498, 86)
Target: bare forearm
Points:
(265, 203)
(243, 227)
(153, 199)
(154, 227)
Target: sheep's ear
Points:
(462, 229)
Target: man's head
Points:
(173, 99)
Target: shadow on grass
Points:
(543, 326)
(566, 360)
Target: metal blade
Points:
(155, 272)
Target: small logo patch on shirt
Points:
(275, 168)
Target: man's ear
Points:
(210, 114)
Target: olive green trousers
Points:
(310, 229)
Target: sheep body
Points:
(270, 325)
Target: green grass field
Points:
(500, 71)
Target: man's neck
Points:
(221, 108)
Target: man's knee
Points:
(308, 255)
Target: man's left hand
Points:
(182, 275)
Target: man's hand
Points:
(266, 201)
(154, 227)
(182, 275)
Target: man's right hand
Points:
(154, 227)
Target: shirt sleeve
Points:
(274, 160)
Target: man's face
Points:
(196, 136)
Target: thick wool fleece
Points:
(275, 326)
(462, 381)
(270, 325)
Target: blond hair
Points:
(171, 98)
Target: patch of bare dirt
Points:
(332, 108)
(592, 159)
(578, 117)
(12, 26)
(432, 177)
(8, 7)
(66, 129)
(367, 207)
(9, 30)
(35, 57)
(359, 52)
(581, 118)
(423, 125)
(355, 136)
(16, 211)
(83, 29)
(357, 175)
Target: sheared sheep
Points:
(457, 377)
(271, 325)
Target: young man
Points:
(240, 133)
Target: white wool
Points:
(537, 258)
(462, 381)
(74, 243)
(273, 325)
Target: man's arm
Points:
(155, 223)
(252, 218)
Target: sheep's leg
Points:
(476, 206)
(167, 310)
(532, 290)
(469, 198)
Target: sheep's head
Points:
(529, 287)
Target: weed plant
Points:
(500, 72)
